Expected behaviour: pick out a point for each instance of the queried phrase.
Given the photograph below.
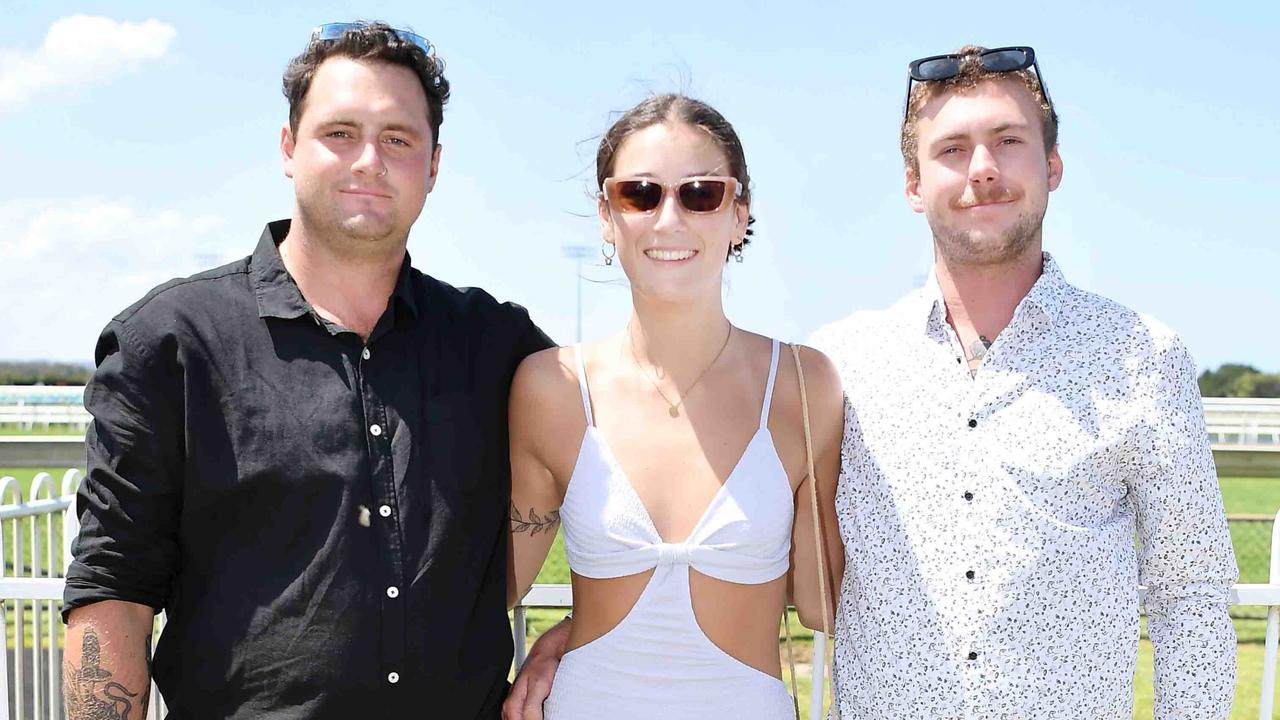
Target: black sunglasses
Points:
(999, 60)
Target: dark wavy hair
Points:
(672, 107)
(373, 41)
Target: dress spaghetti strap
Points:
(586, 395)
(768, 390)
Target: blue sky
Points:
(140, 143)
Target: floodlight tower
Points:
(578, 253)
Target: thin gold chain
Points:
(674, 408)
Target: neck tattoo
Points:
(978, 348)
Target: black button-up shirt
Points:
(322, 519)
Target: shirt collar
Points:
(1046, 294)
(1049, 290)
(278, 295)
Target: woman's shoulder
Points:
(546, 381)
(820, 373)
(823, 392)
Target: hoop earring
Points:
(737, 252)
(608, 256)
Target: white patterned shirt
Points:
(989, 520)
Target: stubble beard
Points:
(350, 235)
(966, 247)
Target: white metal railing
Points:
(37, 579)
(30, 417)
(1243, 421)
(35, 550)
(1267, 596)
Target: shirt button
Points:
(973, 655)
(972, 423)
(968, 496)
(393, 677)
(385, 511)
(393, 592)
(970, 574)
(376, 429)
(365, 354)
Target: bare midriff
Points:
(742, 620)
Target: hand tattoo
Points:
(536, 523)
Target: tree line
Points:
(40, 372)
(1243, 381)
(1229, 380)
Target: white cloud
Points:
(77, 50)
(67, 267)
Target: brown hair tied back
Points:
(671, 107)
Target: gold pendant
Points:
(674, 411)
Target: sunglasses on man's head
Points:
(643, 195)
(997, 60)
(333, 31)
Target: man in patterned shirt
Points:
(1005, 440)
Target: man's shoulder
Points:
(465, 304)
(1114, 322)
(866, 328)
(204, 292)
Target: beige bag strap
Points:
(819, 546)
(791, 660)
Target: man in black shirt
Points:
(302, 456)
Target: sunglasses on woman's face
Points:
(698, 195)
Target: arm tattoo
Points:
(89, 691)
(536, 523)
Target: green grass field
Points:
(51, 430)
(1260, 496)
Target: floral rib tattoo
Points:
(89, 691)
(535, 523)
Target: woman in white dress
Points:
(674, 451)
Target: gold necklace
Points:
(674, 408)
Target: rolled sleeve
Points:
(1186, 560)
(129, 501)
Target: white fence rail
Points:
(35, 549)
(1243, 421)
(35, 542)
(42, 417)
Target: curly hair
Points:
(368, 41)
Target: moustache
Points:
(970, 198)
